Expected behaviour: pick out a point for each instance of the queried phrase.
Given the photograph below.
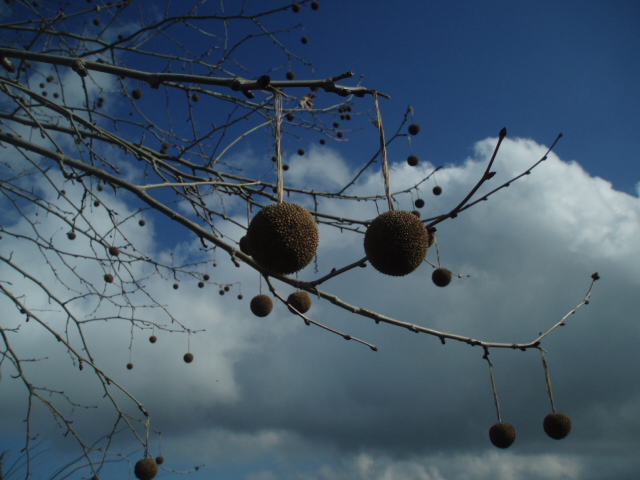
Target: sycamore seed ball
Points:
(557, 425)
(437, 190)
(153, 339)
(502, 435)
(413, 160)
(129, 366)
(283, 238)
(159, 460)
(188, 357)
(301, 301)
(396, 243)
(136, 94)
(414, 129)
(108, 278)
(115, 251)
(261, 305)
(419, 203)
(441, 277)
(146, 469)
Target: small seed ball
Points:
(108, 278)
(129, 366)
(142, 223)
(557, 425)
(437, 190)
(146, 469)
(227, 288)
(419, 203)
(315, 5)
(153, 339)
(188, 357)
(301, 301)
(291, 75)
(502, 435)
(295, 7)
(200, 284)
(240, 297)
(176, 286)
(71, 235)
(414, 129)
(304, 40)
(413, 160)
(261, 305)
(136, 94)
(441, 277)
(301, 151)
(206, 277)
(322, 141)
(159, 460)
(115, 251)
(195, 97)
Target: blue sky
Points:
(270, 399)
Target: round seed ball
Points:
(146, 469)
(557, 425)
(261, 305)
(441, 277)
(129, 366)
(295, 7)
(291, 75)
(437, 190)
(413, 160)
(159, 460)
(108, 278)
(115, 251)
(502, 435)
(396, 243)
(142, 223)
(414, 129)
(71, 235)
(136, 94)
(188, 357)
(153, 339)
(419, 203)
(195, 97)
(301, 301)
(283, 238)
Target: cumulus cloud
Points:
(274, 390)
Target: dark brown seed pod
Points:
(304, 40)
(71, 235)
(557, 425)
(114, 251)
(243, 246)
(159, 460)
(396, 243)
(315, 5)
(176, 286)
(441, 277)
(295, 7)
(142, 223)
(502, 435)
(195, 97)
(108, 278)
(129, 366)
(261, 305)
(153, 339)
(146, 469)
(283, 238)
(419, 203)
(136, 94)
(188, 357)
(206, 277)
(200, 284)
(301, 151)
(414, 129)
(413, 160)
(437, 190)
(291, 75)
(301, 301)
(322, 141)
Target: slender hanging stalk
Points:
(277, 107)
(383, 151)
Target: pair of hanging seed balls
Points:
(283, 238)
(555, 425)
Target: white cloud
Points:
(273, 388)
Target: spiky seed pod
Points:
(291, 75)
(115, 251)
(129, 366)
(396, 243)
(176, 286)
(301, 301)
(414, 129)
(200, 284)
(441, 277)
(301, 151)
(240, 297)
(227, 288)
(136, 94)
(502, 435)
(153, 339)
(283, 238)
(413, 160)
(243, 246)
(188, 357)
(432, 236)
(261, 305)
(557, 425)
(108, 278)
(146, 469)
(159, 460)
(437, 190)
(206, 277)
(71, 235)
(419, 203)
(142, 223)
